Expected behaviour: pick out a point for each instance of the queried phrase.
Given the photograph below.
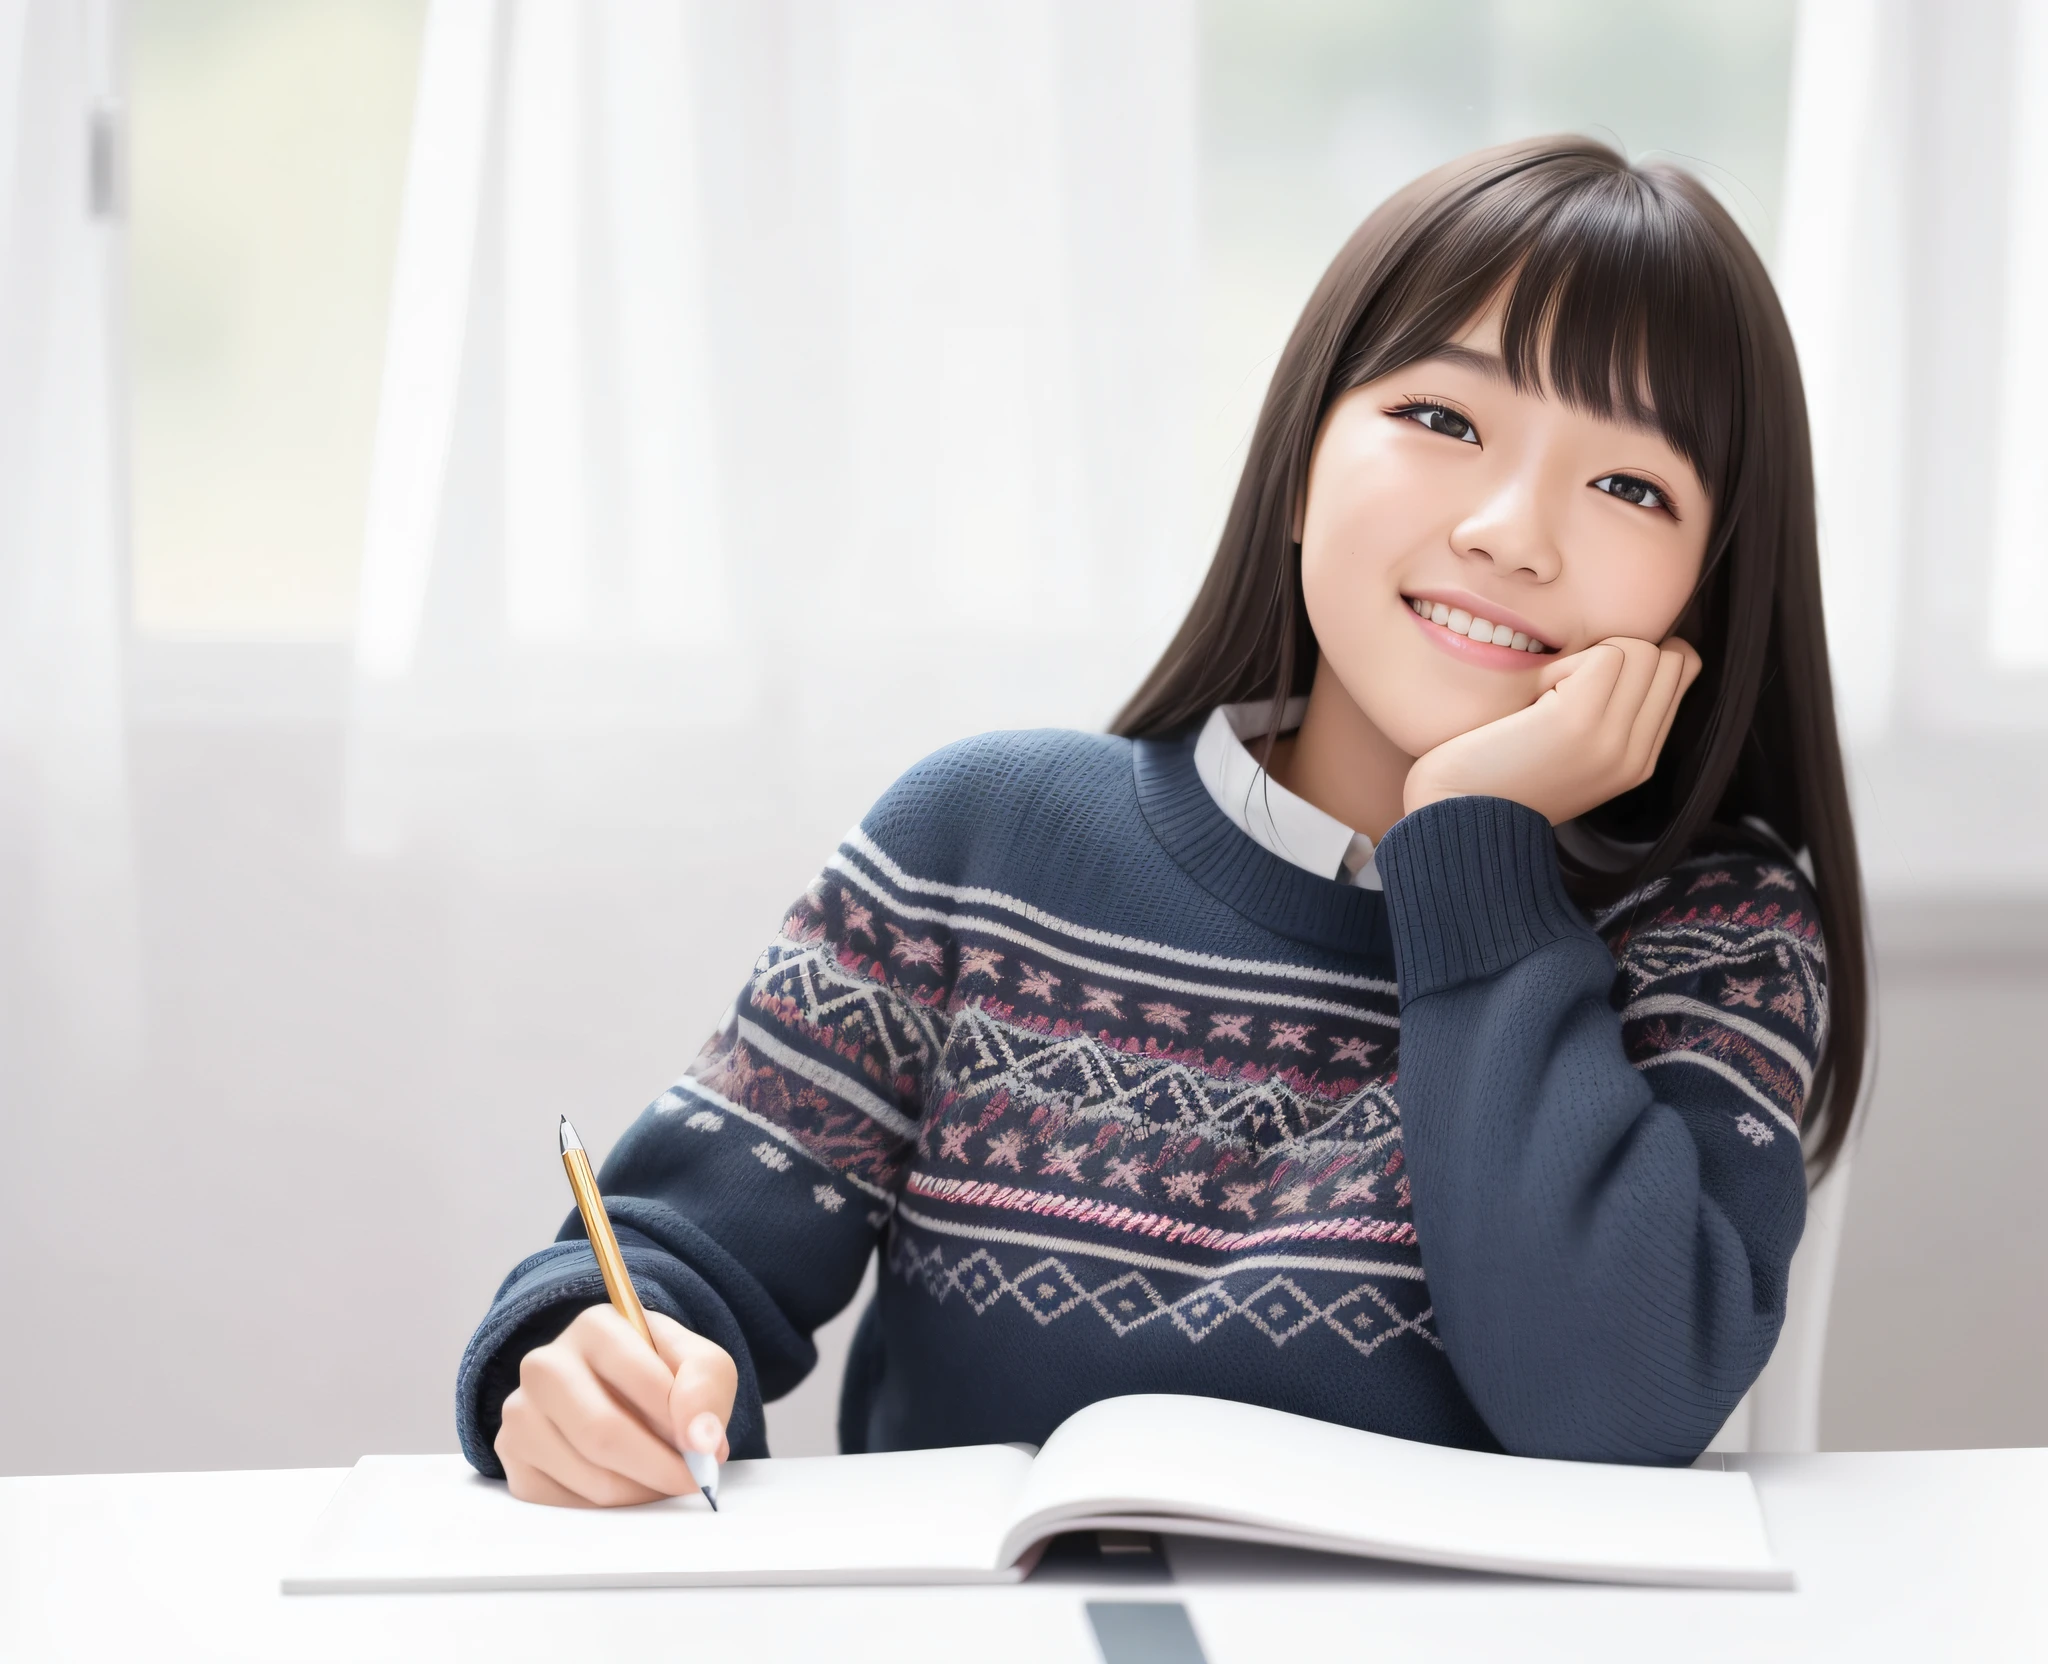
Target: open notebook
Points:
(982, 1513)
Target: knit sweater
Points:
(1129, 1104)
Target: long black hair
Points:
(1628, 290)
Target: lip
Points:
(1479, 607)
(1472, 652)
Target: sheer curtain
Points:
(67, 882)
(805, 380)
(1912, 259)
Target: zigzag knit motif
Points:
(1124, 1109)
(995, 1069)
(1019, 1068)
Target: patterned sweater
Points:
(1129, 1104)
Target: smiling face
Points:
(1441, 499)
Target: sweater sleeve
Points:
(748, 1197)
(1602, 1140)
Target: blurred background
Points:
(489, 493)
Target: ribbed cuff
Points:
(1472, 886)
(538, 1301)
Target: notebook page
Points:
(1186, 1464)
(430, 1522)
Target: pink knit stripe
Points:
(1081, 1211)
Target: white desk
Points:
(1924, 1556)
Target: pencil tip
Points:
(708, 1497)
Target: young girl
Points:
(1407, 1017)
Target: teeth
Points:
(1461, 622)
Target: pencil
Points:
(611, 1264)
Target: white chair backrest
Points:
(1781, 1412)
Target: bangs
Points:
(1629, 293)
(1617, 298)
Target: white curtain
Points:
(805, 376)
(1913, 255)
(1912, 261)
(68, 934)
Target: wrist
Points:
(1425, 786)
(1412, 801)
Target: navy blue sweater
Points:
(1129, 1104)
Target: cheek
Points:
(1659, 602)
(1409, 690)
(1369, 521)
(1634, 584)
(1379, 521)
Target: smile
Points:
(1456, 623)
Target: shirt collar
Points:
(1267, 812)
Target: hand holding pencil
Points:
(626, 1405)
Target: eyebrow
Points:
(1494, 368)
(1489, 364)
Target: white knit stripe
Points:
(1635, 898)
(1159, 1262)
(1124, 973)
(828, 1079)
(1732, 1075)
(721, 1104)
(968, 896)
(1681, 1005)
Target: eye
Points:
(1632, 490)
(1440, 418)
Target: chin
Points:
(1423, 715)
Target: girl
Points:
(1407, 1017)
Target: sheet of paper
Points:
(429, 1522)
(1281, 1478)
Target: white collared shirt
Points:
(1267, 812)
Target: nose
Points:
(1512, 527)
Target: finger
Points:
(1557, 666)
(1589, 675)
(1689, 672)
(619, 1358)
(1639, 661)
(603, 1431)
(1694, 664)
(537, 1440)
(529, 1484)
(706, 1384)
(1660, 704)
(671, 1339)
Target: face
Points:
(1441, 490)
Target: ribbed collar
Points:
(1237, 872)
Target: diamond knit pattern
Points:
(1127, 1104)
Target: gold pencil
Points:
(611, 1264)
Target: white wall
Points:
(266, 1242)
(286, 1015)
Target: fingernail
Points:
(704, 1431)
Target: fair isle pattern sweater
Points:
(1129, 1104)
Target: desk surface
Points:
(1922, 1555)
